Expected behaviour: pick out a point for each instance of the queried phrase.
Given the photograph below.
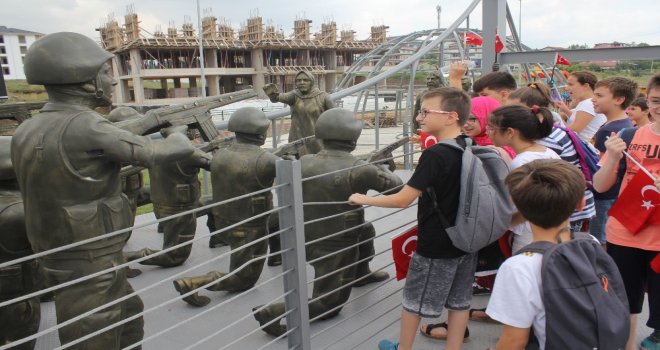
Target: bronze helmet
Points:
(338, 124)
(64, 58)
(248, 120)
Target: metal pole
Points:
(440, 48)
(376, 117)
(520, 21)
(201, 51)
(289, 198)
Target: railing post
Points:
(290, 198)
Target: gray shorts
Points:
(434, 283)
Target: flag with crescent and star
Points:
(637, 206)
(403, 246)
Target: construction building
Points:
(255, 55)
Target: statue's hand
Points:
(270, 89)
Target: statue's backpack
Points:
(583, 294)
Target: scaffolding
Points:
(132, 25)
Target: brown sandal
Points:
(431, 326)
(481, 318)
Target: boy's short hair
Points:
(453, 100)
(620, 87)
(641, 103)
(586, 77)
(495, 81)
(654, 83)
(546, 191)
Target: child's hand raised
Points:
(615, 146)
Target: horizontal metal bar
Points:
(610, 54)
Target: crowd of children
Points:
(547, 186)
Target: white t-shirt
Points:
(598, 119)
(516, 298)
(524, 231)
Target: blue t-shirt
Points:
(601, 136)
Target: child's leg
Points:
(457, 323)
(409, 324)
(632, 338)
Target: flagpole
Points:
(642, 168)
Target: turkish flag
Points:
(499, 45)
(403, 247)
(472, 39)
(637, 206)
(561, 60)
(428, 140)
(655, 264)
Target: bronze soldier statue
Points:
(434, 80)
(239, 169)
(339, 131)
(175, 188)
(307, 103)
(20, 319)
(67, 162)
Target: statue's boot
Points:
(137, 254)
(217, 240)
(371, 277)
(268, 314)
(274, 246)
(131, 272)
(186, 284)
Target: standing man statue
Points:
(307, 103)
(67, 162)
(433, 81)
(175, 188)
(239, 169)
(20, 319)
(339, 131)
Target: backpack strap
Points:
(459, 143)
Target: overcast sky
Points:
(544, 22)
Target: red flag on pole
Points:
(403, 246)
(637, 206)
(499, 46)
(472, 39)
(561, 60)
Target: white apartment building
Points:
(13, 46)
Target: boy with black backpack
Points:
(562, 286)
(440, 274)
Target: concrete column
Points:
(177, 83)
(136, 68)
(330, 59)
(163, 83)
(258, 78)
(192, 82)
(494, 19)
(119, 94)
(212, 80)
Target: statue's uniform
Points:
(175, 188)
(67, 162)
(21, 319)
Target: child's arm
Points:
(605, 177)
(400, 199)
(513, 338)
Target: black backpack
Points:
(585, 301)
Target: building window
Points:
(23, 49)
(4, 60)
(2, 39)
(5, 70)
(3, 51)
(21, 39)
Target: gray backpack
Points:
(585, 301)
(484, 206)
